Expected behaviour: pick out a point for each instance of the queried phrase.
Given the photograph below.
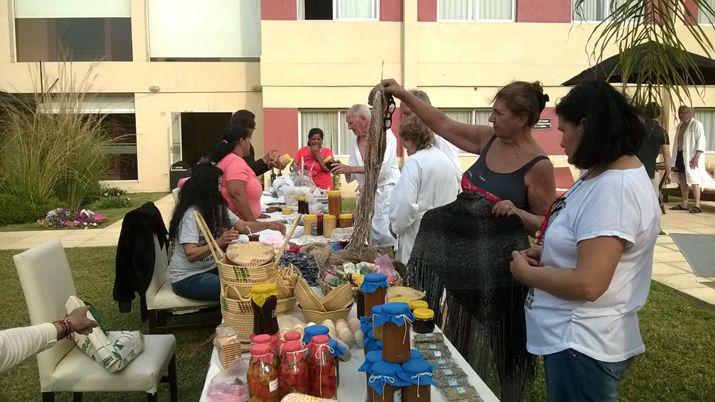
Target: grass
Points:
(679, 364)
(113, 214)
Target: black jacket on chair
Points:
(134, 264)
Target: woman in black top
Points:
(512, 170)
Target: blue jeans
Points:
(573, 376)
(203, 286)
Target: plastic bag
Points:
(302, 178)
(230, 385)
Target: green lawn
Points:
(678, 366)
(113, 214)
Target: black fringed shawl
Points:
(462, 248)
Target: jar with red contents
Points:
(294, 375)
(269, 340)
(263, 375)
(321, 364)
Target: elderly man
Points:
(688, 158)
(358, 120)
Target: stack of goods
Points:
(450, 378)
(334, 306)
(228, 344)
(243, 266)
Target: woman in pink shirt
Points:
(239, 184)
(313, 157)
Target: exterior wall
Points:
(543, 11)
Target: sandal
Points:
(695, 210)
(678, 208)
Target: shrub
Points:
(24, 208)
(112, 201)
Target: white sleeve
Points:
(611, 209)
(699, 137)
(389, 160)
(403, 202)
(232, 218)
(17, 344)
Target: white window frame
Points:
(341, 112)
(705, 24)
(472, 118)
(607, 13)
(300, 7)
(477, 19)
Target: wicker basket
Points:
(338, 298)
(320, 316)
(405, 293)
(251, 254)
(306, 297)
(228, 350)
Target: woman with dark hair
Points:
(312, 159)
(239, 186)
(593, 273)
(427, 181)
(512, 170)
(270, 160)
(192, 269)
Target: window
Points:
(707, 117)
(703, 17)
(338, 9)
(594, 10)
(336, 134)
(189, 30)
(78, 30)
(469, 116)
(479, 10)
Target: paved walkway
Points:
(669, 267)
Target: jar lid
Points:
(334, 192)
(423, 314)
(292, 346)
(416, 366)
(260, 349)
(416, 354)
(398, 300)
(398, 308)
(345, 216)
(328, 217)
(262, 338)
(300, 198)
(320, 339)
(415, 304)
(291, 336)
(310, 217)
(385, 368)
(375, 277)
(377, 309)
(262, 288)
(374, 356)
(328, 158)
(317, 329)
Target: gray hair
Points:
(420, 94)
(360, 110)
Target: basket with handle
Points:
(252, 273)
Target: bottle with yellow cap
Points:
(424, 321)
(329, 224)
(310, 224)
(264, 299)
(345, 220)
(335, 202)
(415, 304)
(302, 204)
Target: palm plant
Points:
(663, 66)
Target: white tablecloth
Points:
(352, 385)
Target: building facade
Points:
(171, 72)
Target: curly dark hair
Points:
(201, 191)
(523, 97)
(414, 130)
(611, 127)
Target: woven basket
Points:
(251, 254)
(232, 273)
(228, 351)
(338, 298)
(320, 316)
(405, 293)
(306, 297)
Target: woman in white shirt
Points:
(592, 275)
(427, 181)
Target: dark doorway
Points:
(318, 10)
(199, 134)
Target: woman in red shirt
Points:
(313, 157)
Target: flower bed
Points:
(64, 218)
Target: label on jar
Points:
(437, 353)
(273, 385)
(452, 382)
(461, 390)
(447, 371)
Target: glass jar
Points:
(329, 224)
(264, 299)
(302, 204)
(335, 203)
(293, 373)
(313, 330)
(321, 364)
(418, 374)
(291, 336)
(320, 224)
(345, 220)
(310, 224)
(376, 331)
(396, 332)
(380, 377)
(415, 304)
(374, 287)
(263, 375)
(424, 321)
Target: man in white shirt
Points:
(358, 118)
(451, 151)
(688, 158)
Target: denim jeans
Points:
(573, 376)
(203, 286)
